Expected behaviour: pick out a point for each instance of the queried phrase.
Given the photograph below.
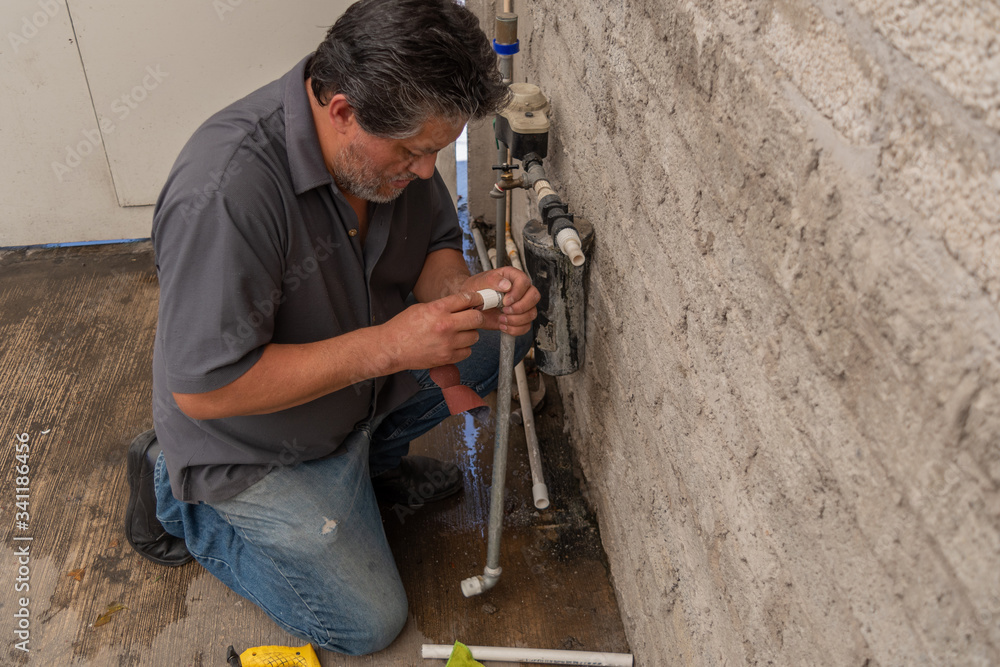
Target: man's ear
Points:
(341, 114)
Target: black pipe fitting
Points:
(531, 160)
(553, 211)
(555, 214)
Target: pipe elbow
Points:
(481, 582)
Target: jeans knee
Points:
(374, 630)
(522, 344)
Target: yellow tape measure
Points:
(279, 656)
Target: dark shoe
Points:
(142, 529)
(417, 480)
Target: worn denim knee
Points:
(306, 545)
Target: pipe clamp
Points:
(506, 49)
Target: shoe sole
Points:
(134, 460)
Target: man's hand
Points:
(445, 273)
(432, 334)
(519, 299)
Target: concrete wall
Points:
(790, 413)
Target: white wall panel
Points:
(158, 69)
(54, 179)
(88, 134)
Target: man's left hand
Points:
(519, 299)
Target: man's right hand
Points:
(432, 334)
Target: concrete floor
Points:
(76, 337)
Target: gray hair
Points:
(400, 62)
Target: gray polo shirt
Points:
(255, 244)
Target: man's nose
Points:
(424, 165)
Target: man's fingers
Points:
(467, 320)
(520, 319)
(523, 305)
(456, 303)
(466, 339)
(503, 279)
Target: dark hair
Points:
(399, 62)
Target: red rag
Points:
(459, 397)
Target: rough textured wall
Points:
(789, 418)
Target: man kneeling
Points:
(310, 267)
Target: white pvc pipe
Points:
(535, 655)
(568, 241)
(515, 259)
(539, 491)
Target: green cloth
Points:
(461, 656)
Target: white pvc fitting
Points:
(491, 298)
(481, 582)
(569, 242)
(471, 586)
(543, 189)
(536, 655)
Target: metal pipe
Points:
(506, 66)
(491, 573)
(534, 655)
(539, 490)
(484, 255)
(506, 36)
(503, 414)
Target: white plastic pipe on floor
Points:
(536, 655)
(539, 490)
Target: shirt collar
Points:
(305, 159)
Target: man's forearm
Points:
(422, 336)
(289, 375)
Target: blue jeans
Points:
(306, 543)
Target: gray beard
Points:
(357, 176)
(362, 190)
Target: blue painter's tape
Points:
(72, 244)
(506, 49)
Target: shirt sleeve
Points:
(446, 232)
(220, 270)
